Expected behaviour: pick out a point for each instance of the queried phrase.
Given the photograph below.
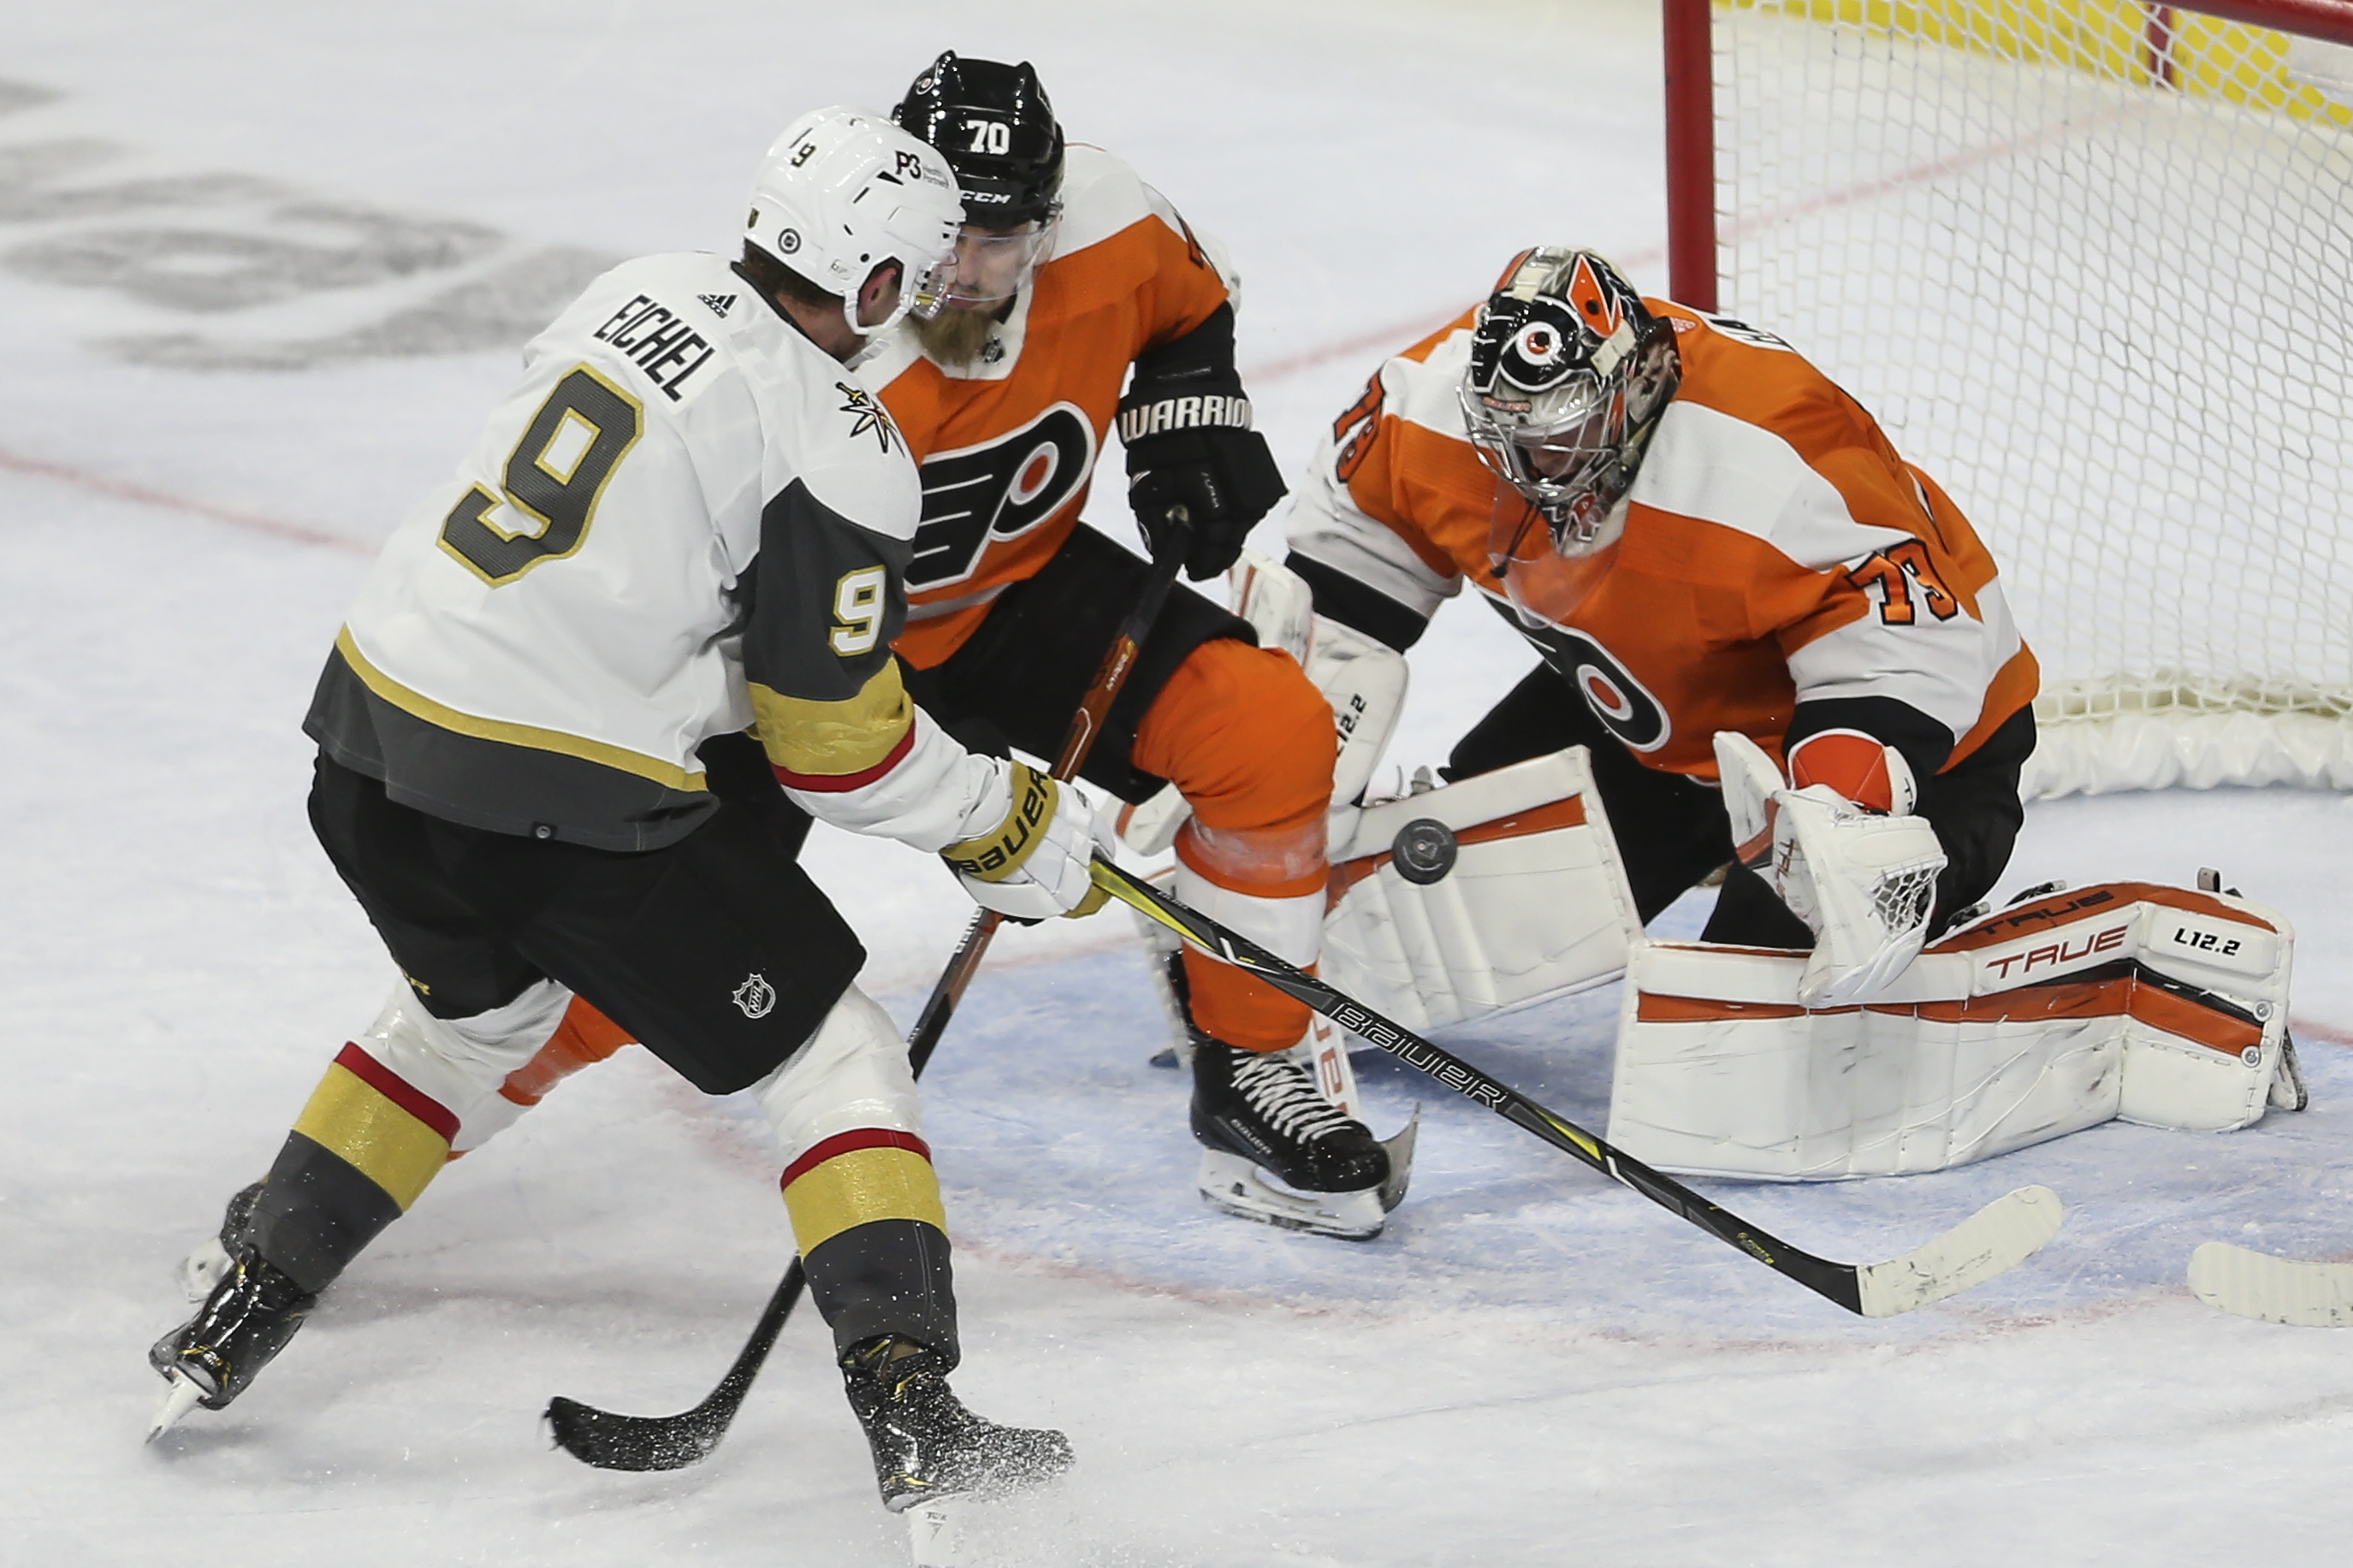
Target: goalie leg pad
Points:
(1487, 893)
(2152, 1003)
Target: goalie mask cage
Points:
(2090, 262)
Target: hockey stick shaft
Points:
(1094, 708)
(1925, 1275)
(617, 1442)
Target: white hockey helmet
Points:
(844, 191)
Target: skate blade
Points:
(1231, 1185)
(1400, 1148)
(935, 1532)
(204, 1267)
(180, 1397)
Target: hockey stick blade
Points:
(2275, 1289)
(614, 1442)
(611, 1441)
(1996, 1239)
(1998, 1236)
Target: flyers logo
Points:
(976, 496)
(1623, 704)
(1905, 578)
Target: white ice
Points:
(1530, 1367)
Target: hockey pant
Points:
(1238, 730)
(733, 968)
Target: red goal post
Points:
(2090, 264)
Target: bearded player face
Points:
(991, 267)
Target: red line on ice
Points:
(2313, 1031)
(122, 490)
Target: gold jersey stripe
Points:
(833, 739)
(860, 1187)
(352, 1120)
(422, 706)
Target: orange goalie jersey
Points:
(1007, 444)
(1776, 551)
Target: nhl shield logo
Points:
(755, 996)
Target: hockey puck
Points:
(1423, 850)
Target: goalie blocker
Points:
(2156, 1005)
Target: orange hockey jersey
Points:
(1008, 445)
(1775, 550)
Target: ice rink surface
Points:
(262, 269)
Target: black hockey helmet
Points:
(993, 123)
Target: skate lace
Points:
(1286, 1097)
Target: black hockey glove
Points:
(1185, 424)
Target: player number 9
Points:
(552, 481)
(858, 611)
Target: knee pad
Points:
(461, 1063)
(852, 1074)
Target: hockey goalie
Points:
(1768, 645)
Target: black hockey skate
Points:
(203, 1268)
(926, 1443)
(1255, 1112)
(212, 1357)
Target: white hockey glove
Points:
(1029, 846)
(1865, 882)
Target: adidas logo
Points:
(720, 304)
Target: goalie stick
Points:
(611, 1441)
(1998, 1238)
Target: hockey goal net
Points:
(2090, 264)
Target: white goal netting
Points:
(2092, 266)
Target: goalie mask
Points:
(844, 191)
(993, 123)
(1569, 375)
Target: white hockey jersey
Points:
(687, 521)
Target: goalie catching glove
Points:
(1031, 856)
(1859, 868)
